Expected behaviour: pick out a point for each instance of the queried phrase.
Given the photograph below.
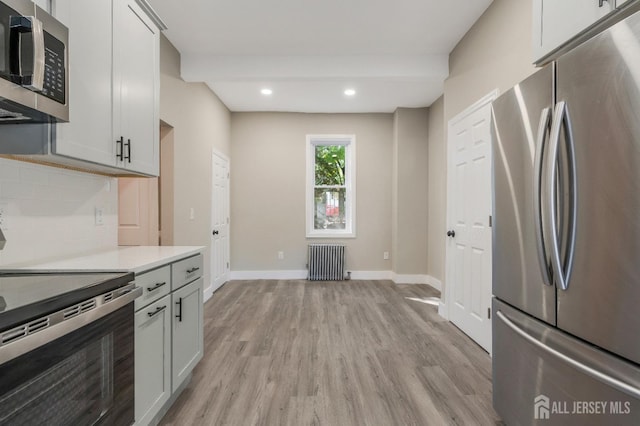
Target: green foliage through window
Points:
(330, 165)
(330, 186)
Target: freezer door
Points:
(600, 83)
(543, 376)
(521, 120)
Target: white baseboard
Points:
(417, 279)
(355, 275)
(207, 293)
(435, 283)
(409, 279)
(370, 275)
(302, 275)
(269, 275)
(443, 310)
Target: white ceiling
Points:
(393, 53)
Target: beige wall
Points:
(494, 54)
(394, 192)
(437, 190)
(166, 185)
(268, 188)
(201, 123)
(410, 215)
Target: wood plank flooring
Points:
(333, 353)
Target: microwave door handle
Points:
(33, 26)
(545, 118)
(37, 81)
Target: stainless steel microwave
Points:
(34, 82)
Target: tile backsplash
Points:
(50, 212)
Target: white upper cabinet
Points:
(556, 22)
(136, 95)
(88, 135)
(559, 25)
(114, 84)
(43, 4)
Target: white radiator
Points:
(326, 262)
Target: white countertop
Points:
(120, 259)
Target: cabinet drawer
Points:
(154, 284)
(185, 271)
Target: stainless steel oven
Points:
(67, 359)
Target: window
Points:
(331, 186)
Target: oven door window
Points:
(79, 379)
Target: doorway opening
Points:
(145, 205)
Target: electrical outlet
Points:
(99, 216)
(280, 255)
(385, 255)
(4, 220)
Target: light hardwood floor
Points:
(333, 353)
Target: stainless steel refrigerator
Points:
(566, 238)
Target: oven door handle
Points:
(26, 340)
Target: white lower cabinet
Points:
(152, 359)
(186, 330)
(168, 336)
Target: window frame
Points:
(349, 142)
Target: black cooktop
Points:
(24, 297)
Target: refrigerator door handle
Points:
(583, 368)
(545, 118)
(561, 271)
(573, 195)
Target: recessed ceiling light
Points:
(266, 92)
(350, 92)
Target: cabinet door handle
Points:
(128, 145)
(121, 143)
(157, 311)
(155, 287)
(192, 270)
(179, 315)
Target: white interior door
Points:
(138, 212)
(220, 221)
(469, 216)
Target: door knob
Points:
(451, 233)
(215, 232)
